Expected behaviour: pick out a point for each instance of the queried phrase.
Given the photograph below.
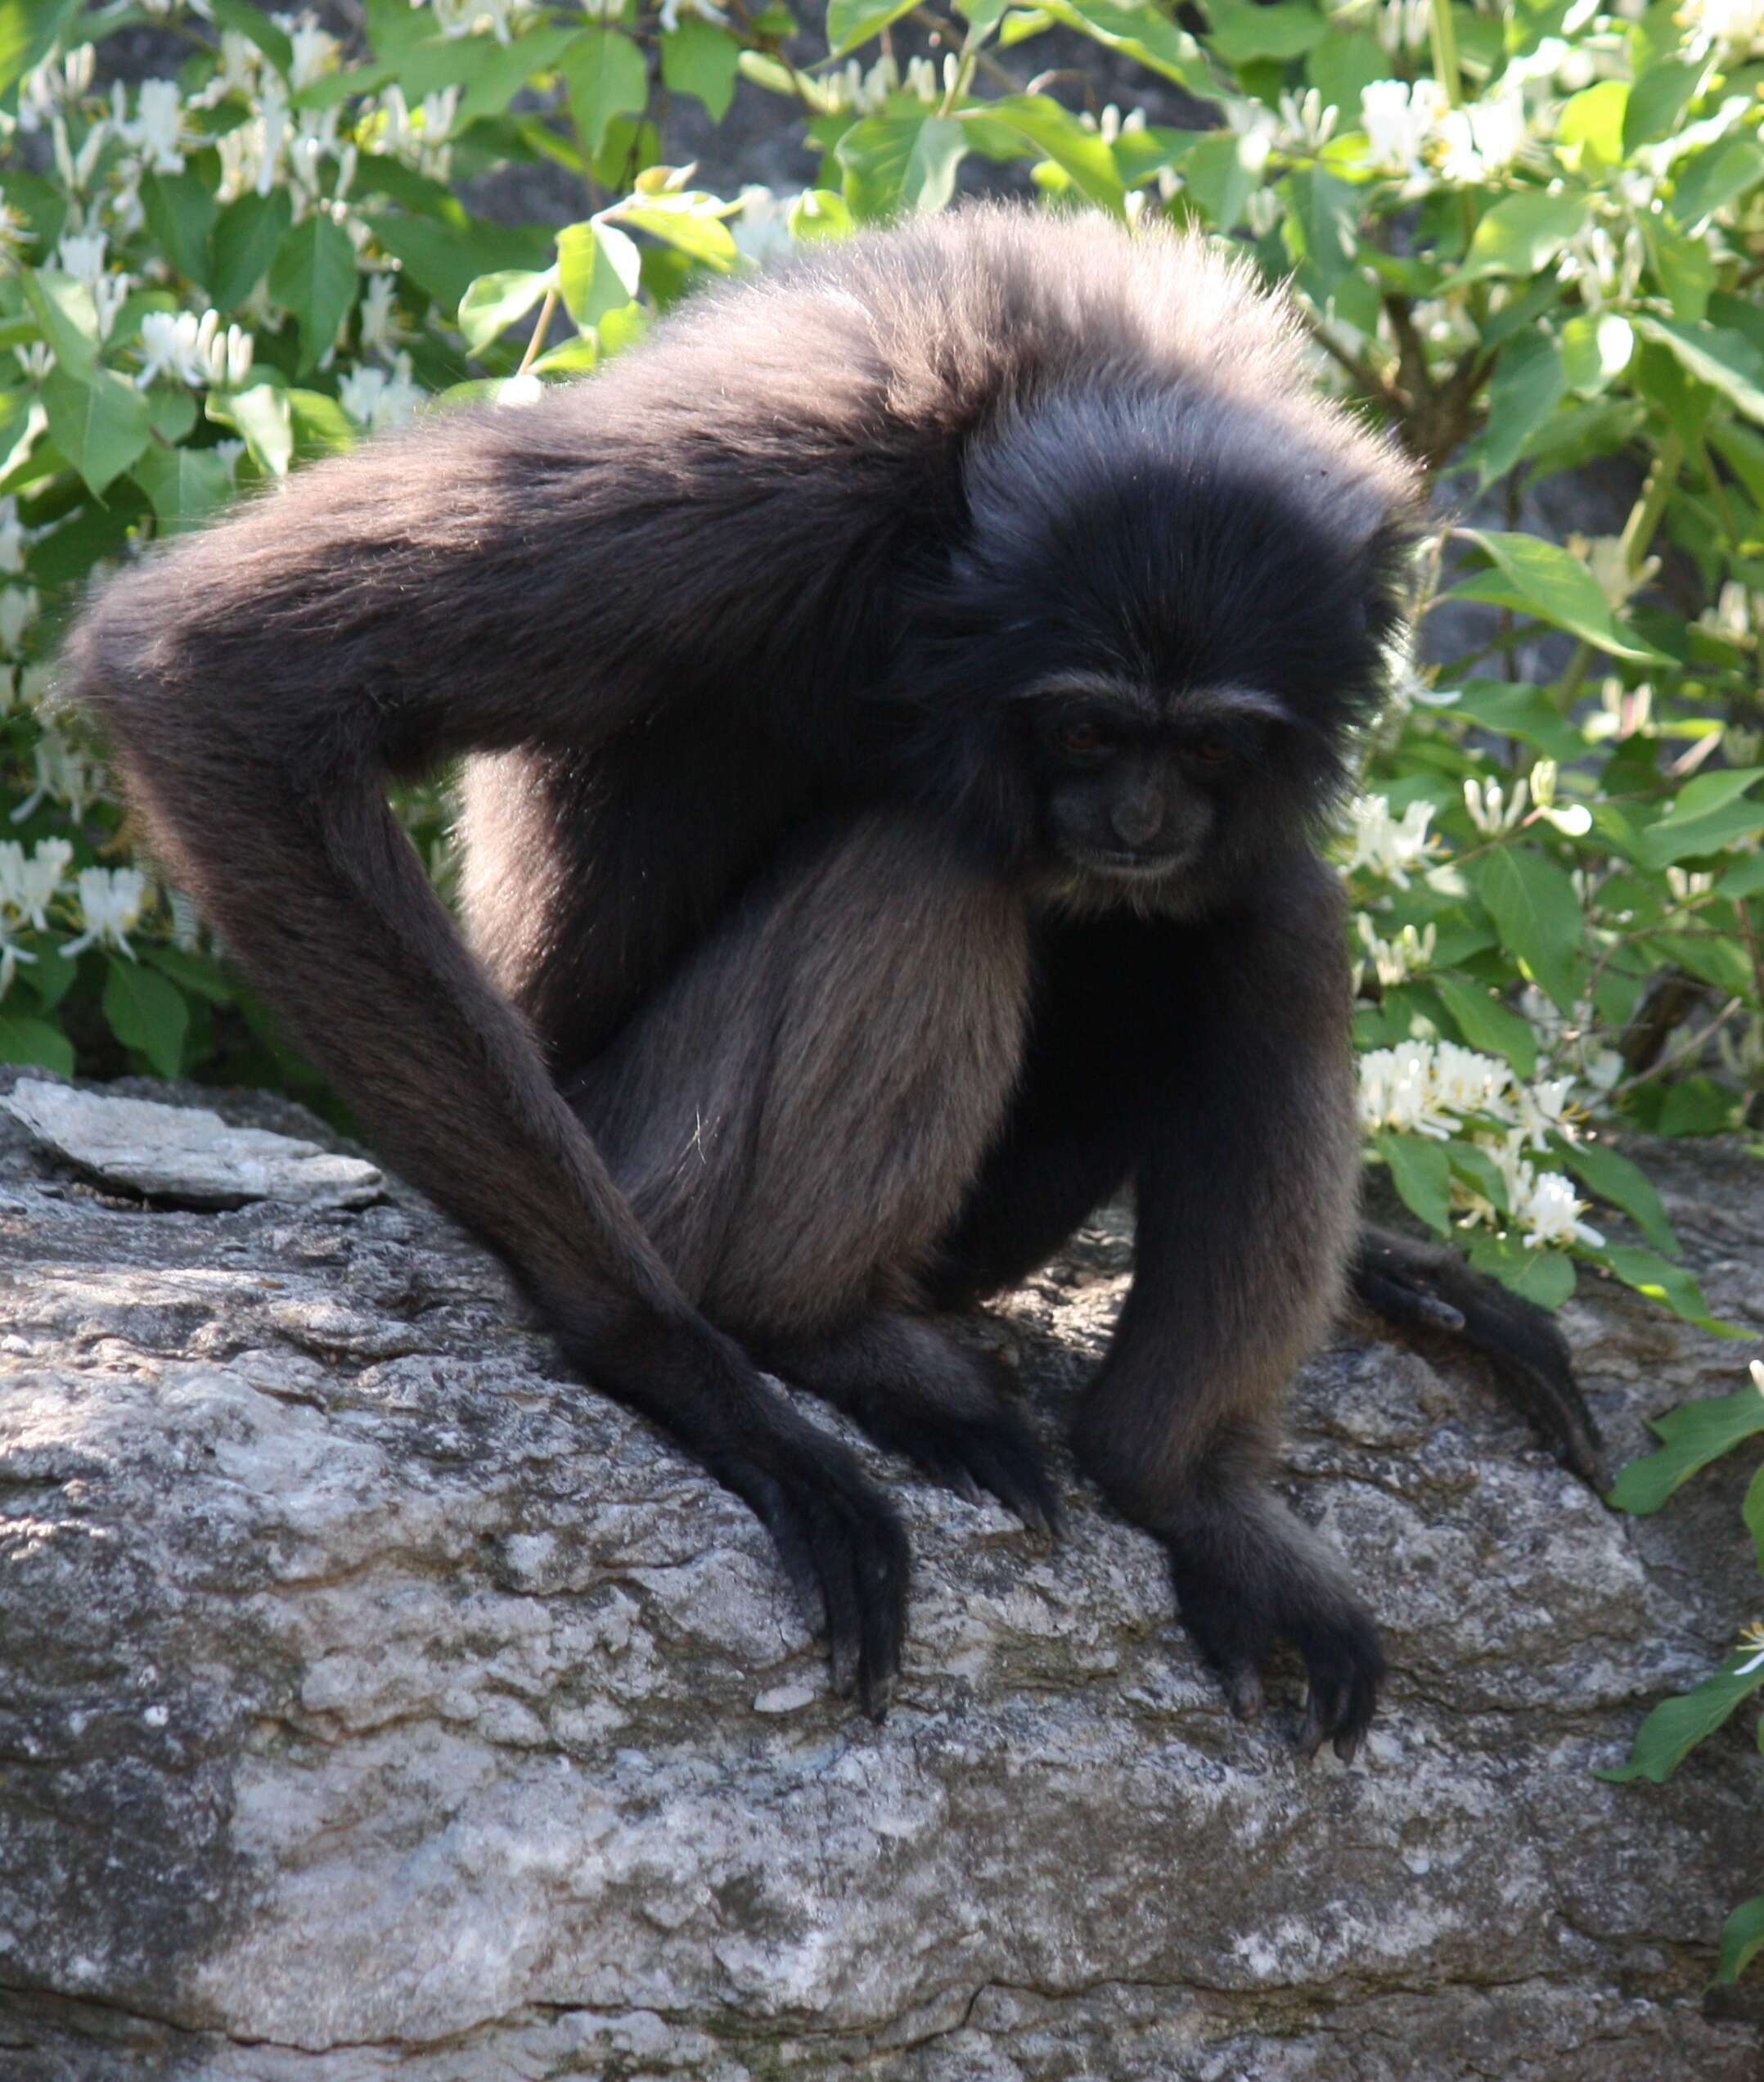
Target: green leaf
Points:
(820, 213)
(1711, 179)
(889, 163)
(499, 76)
(146, 1013)
(1544, 1278)
(1726, 361)
(1538, 915)
(180, 213)
(598, 268)
(699, 59)
(1676, 1726)
(605, 76)
(1676, 1289)
(1517, 709)
(262, 417)
(1656, 101)
(1704, 820)
(1421, 1172)
(173, 412)
(1625, 1185)
(853, 22)
(1522, 233)
(64, 311)
(314, 275)
(1143, 34)
(689, 222)
(1082, 153)
(1686, 268)
(1242, 33)
(1742, 1934)
(495, 302)
(1535, 577)
(29, 30)
(1529, 382)
(321, 421)
(99, 422)
(1218, 178)
(1343, 64)
(25, 1040)
(257, 28)
(1596, 351)
(245, 240)
(1593, 120)
(185, 486)
(1487, 1025)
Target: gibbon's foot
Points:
(967, 1452)
(920, 1392)
(843, 1548)
(1422, 1287)
(1238, 1599)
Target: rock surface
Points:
(376, 1703)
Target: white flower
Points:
(111, 902)
(1490, 812)
(18, 611)
(251, 154)
(1550, 1211)
(1484, 137)
(1738, 23)
(670, 14)
(1400, 121)
(378, 324)
(29, 882)
(13, 537)
(1394, 961)
(762, 233)
(63, 774)
(1386, 846)
(1545, 1107)
(315, 49)
(376, 399)
(156, 129)
(194, 350)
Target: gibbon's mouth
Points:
(1127, 867)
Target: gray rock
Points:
(376, 1702)
(185, 1153)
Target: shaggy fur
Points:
(825, 975)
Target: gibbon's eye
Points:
(1214, 752)
(1084, 736)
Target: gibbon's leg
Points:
(1424, 1288)
(1246, 1167)
(795, 1116)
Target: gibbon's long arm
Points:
(1246, 1189)
(527, 576)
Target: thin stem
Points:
(542, 326)
(1444, 39)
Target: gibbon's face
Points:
(1134, 790)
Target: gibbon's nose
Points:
(1137, 817)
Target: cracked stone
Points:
(377, 1704)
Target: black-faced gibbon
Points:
(900, 701)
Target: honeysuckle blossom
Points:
(18, 611)
(13, 538)
(1544, 1108)
(315, 49)
(1391, 847)
(251, 154)
(418, 137)
(29, 881)
(1549, 1211)
(669, 15)
(194, 350)
(50, 86)
(762, 233)
(111, 900)
(1739, 23)
(155, 133)
(1401, 120)
(1483, 138)
(377, 328)
(63, 774)
(376, 398)
(1394, 961)
(466, 17)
